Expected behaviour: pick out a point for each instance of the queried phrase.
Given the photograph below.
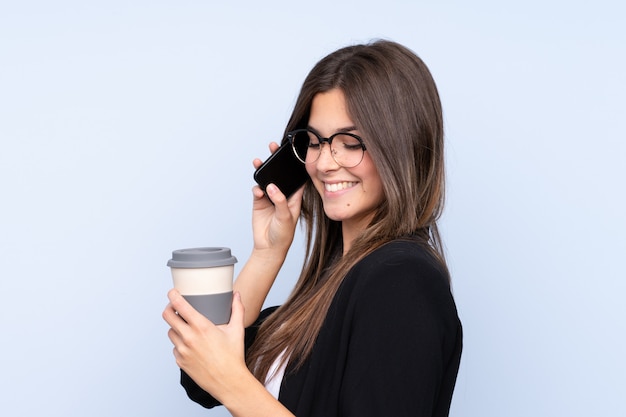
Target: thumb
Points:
(281, 204)
(237, 310)
(275, 194)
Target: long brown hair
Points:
(392, 99)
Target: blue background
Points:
(128, 128)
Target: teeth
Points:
(339, 186)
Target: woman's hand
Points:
(213, 356)
(274, 225)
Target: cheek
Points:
(372, 182)
(310, 169)
(377, 195)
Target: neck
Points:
(351, 229)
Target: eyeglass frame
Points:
(291, 135)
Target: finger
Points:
(278, 198)
(170, 316)
(174, 337)
(186, 312)
(274, 147)
(287, 210)
(257, 163)
(173, 334)
(257, 192)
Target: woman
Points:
(371, 328)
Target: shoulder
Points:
(401, 278)
(400, 250)
(400, 263)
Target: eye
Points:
(347, 142)
(314, 141)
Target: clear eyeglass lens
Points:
(345, 149)
(301, 145)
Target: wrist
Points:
(237, 393)
(250, 398)
(269, 256)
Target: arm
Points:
(213, 356)
(273, 227)
(256, 279)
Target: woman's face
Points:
(349, 195)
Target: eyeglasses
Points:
(347, 149)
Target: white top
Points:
(275, 376)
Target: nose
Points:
(326, 162)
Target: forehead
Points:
(329, 112)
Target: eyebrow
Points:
(346, 129)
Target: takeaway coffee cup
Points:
(204, 277)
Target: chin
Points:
(336, 216)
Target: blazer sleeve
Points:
(199, 395)
(405, 341)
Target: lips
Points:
(338, 186)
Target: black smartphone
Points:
(282, 169)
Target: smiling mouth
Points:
(338, 186)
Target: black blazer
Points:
(390, 345)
